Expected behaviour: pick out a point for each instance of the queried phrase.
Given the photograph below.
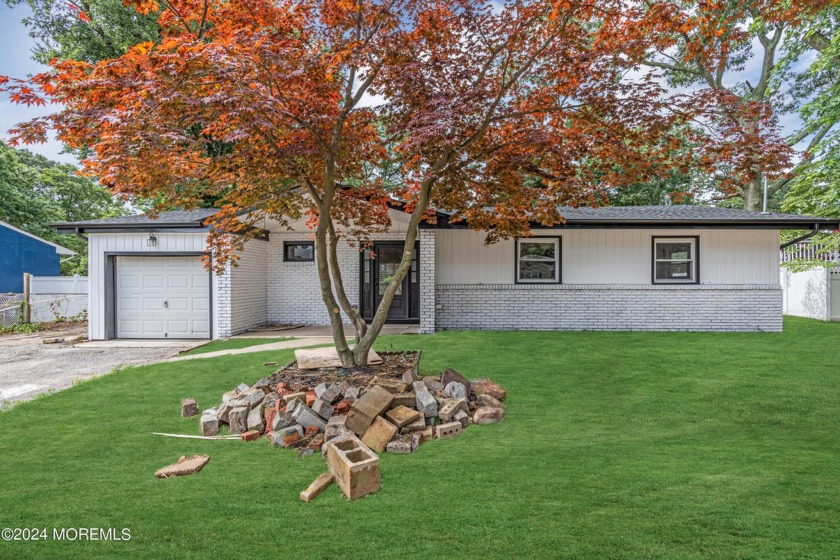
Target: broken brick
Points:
(251, 435)
(317, 486)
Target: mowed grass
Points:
(615, 445)
(233, 344)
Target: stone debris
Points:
(184, 466)
(455, 390)
(351, 415)
(488, 400)
(209, 423)
(318, 485)
(488, 414)
(487, 387)
(189, 408)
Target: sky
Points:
(16, 61)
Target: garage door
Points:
(162, 297)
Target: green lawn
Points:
(232, 344)
(616, 445)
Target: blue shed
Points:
(21, 252)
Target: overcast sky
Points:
(16, 61)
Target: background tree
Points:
(714, 46)
(497, 114)
(88, 30)
(36, 192)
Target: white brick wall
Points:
(249, 297)
(427, 281)
(294, 293)
(222, 318)
(609, 307)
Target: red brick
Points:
(310, 398)
(251, 435)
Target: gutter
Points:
(808, 235)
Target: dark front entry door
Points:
(378, 267)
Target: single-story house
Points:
(21, 252)
(646, 268)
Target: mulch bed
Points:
(393, 366)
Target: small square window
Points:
(538, 260)
(299, 251)
(675, 260)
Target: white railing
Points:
(809, 251)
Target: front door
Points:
(378, 267)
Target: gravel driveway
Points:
(29, 367)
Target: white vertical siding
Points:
(612, 256)
(101, 243)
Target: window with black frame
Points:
(675, 260)
(299, 251)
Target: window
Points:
(538, 260)
(299, 251)
(675, 260)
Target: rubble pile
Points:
(350, 415)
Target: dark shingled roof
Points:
(174, 219)
(606, 216)
(679, 216)
(680, 213)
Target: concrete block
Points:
(354, 466)
(462, 417)
(329, 393)
(379, 434)
(404, 399)
(402, 416)
(373, 403)
(306, 417)
(322, 408)
(448, 430)
(282, 420)
(289, 397)
(426, 403)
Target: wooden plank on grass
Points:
(314, 358)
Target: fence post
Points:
(27, 307)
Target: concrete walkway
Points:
(285, 345)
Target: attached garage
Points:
(162, 297)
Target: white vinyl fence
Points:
(813, 293)
(51, 298)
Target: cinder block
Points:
(354, 466)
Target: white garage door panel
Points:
(162, 297)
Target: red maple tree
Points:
(498, 113)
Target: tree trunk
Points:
(753, 195)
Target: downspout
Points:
(811, 233)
